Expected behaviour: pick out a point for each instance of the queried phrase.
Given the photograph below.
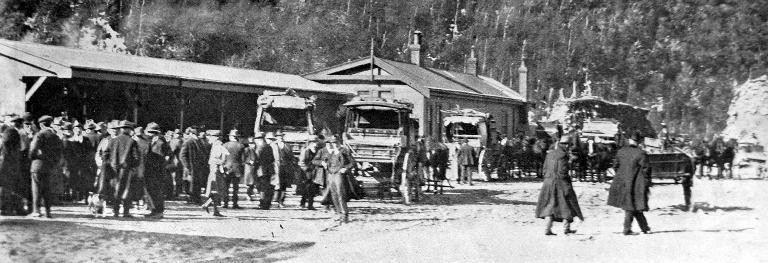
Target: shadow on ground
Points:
(27, 240)
(472, 197)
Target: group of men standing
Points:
(118, 164)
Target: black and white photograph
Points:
(383, 131)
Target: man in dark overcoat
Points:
(266, 179)
(194, 159)
(177, 169)
(466, 161)
(439, 157)
(233, 166)
(314, 175)
(557, 200)
(629, 189)
(44, 151)
(123, 158)
(10, 172)
(157, 181)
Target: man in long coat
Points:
(154, 170)
(629, 189)
(250, 165)
(233, 166)
(466, 160)
(337, 161)
(314, 176)
(177, 169)
(439, 157)
(557, 200)
(266, 179)
(194, 159)
(44, 151)
(285, 167)
(10, 172)
(123, 157)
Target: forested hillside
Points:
(682, 57)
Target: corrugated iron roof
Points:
(128, 64)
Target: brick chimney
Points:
(415, 48)
(522, 72)
(471, 63)
(523, 79)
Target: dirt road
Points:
(489, 222)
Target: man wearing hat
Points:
(194, 158)
(265, 172)
(44, 151)
(337, 161)
(123, 157)
(177, 169)
(557, 200)
(74, 154)
(286, 166)
(466, 160)
(629, 189)
(314, 176)
(234, 167)
(22, 188)
(154, 170)
(10, 174)
(250, 165)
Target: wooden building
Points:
(431, 90)
(87, 84)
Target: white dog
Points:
(96, 204)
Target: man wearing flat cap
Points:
(629, 189)
(44, 151)
(122, 155)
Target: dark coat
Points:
(250, 164)
(466, 155)
(312, 171)
(629, 189)
(10, 160)
(265, 171)
(342, 182)
(45, 151)
(154, 162)
(75, 155)
(557, 198)
(123, 158)
(234, 162)
(195, 160)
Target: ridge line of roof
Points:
(12, 43)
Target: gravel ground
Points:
(488, 222)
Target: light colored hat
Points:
(153, 128)
(213, 133)
(270, 136)
(235, 133)
(258, 135)
(565, 139)
(125, 124)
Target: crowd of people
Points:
(117, 165)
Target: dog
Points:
(96, 204)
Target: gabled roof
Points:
(424, 79)
(62, 61)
